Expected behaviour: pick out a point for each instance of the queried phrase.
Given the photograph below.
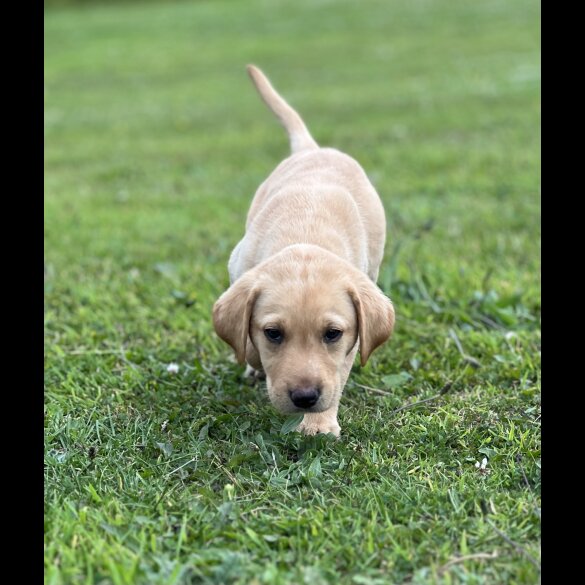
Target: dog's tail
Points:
(299, 136)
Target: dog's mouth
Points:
(315, 408)
(296, 410)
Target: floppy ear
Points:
(232, 313)
(375, 314)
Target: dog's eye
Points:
(274, 335)
(332, 335)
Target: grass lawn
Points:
(155, 143)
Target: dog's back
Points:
(316, 196)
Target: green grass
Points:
(155, 144)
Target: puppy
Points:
(303, 297)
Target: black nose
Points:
(305, 397)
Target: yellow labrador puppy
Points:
(303, 296)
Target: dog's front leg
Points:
(254, 369)
(253, 374)
(320, 422)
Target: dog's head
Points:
(300, 315)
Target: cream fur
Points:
(308, 262)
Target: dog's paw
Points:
(253, 375)
(313, 424)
